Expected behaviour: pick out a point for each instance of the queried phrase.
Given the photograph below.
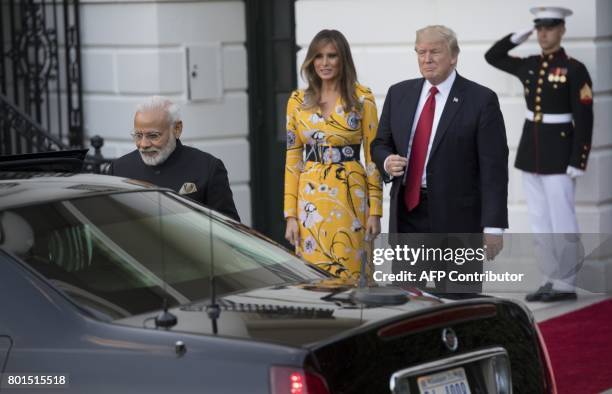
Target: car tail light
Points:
(549, 375)
(289, 380)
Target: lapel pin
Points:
(455, 100)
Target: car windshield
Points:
(119, 255)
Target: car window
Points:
(122, 254)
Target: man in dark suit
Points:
(442, 142)
(161, 159)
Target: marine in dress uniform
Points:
(555, 144)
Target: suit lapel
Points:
(408, 105)
(453, 103)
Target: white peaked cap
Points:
(551, 12)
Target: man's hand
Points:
(372, 228)
(395, 164)
(521, 36)
(493, 244)
(292, 233)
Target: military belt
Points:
(549, 118)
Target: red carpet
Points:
(580, 348)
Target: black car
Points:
(111, 286)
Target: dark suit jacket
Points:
(467, 171)
(185, 164)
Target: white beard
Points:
(161, 154)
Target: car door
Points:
(5, 347)
(5, 340)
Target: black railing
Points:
(22, 134)
(18, 131)
(40, 75)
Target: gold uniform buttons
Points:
(550, 56)
(542, 72)
(584, 156)
(545, 64)
(563, 134)
(585, 147)
(582, 165)
(538, 99)
(540, 81)
(537, 117)
(539, 90)
(538, 108)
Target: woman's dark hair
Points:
(347, 77)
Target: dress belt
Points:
(550, 118)
(332, 153)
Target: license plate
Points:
(452, 381)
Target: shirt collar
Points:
(558, 54)
(444, 87)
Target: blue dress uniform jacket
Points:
(184, 166)
(553, 84)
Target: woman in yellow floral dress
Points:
(333, 204)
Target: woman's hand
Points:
(372, 228)
(292, 233)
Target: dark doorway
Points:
(271, 52)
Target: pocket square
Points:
(188, 188)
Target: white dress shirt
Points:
(443, 92)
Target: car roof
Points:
(27, 188)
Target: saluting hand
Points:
(521, 36)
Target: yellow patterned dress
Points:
(332, 199)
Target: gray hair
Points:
(160, 103)
(444, 33)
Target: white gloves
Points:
(521, 36)
(574, 172)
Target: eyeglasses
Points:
(153, 136)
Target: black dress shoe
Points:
(556, 295)
(539, 293)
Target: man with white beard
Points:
(161, 159)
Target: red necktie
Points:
(418, 152)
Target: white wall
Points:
(133, 49)
(382, 33)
